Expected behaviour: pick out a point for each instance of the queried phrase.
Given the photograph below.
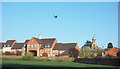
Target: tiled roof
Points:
(64, 46)
(9, 42)
(45, 41)
(18, 45)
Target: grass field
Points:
(21, 63)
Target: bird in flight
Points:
(55, 16)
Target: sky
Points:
(77, 22)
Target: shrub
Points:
(18, 53)
(28, 56)
(45, 55)
(7, 53)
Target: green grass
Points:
(23, 63)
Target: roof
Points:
(9, 42)
(26, 41)
(64, 46)
(45, 41)
(18, 45)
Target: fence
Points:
(101, 61)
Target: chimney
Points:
(39, 36)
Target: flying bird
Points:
(55, 16)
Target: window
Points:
(48, 46)
(17, 49)
(61, 51)
(24, 49)
(20, 50)
(53, 50)
(48, 50)
(35, 45)
(4, 45)
(29, 46)
(53, 55)
(32, 45)
(45, 50)
(8, 45)
(48, 55)
(14, 50)
(45, 46)
(24, 45)
(57, 51)
(40, 54)
(41, 50)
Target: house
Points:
(113, 51)
(39, 46)
(62, 49)
(8, 45)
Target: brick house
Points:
(113, 51)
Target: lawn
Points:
(21, 63)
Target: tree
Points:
(99, 53)
(73, 52)
(85, 52)
(92, 55)
(110, 45)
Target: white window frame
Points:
(48, 50)
(32, 46)
(20, 49)
(35, 45)
(24, 45)
(48, 46)
(61, 51)
(41, 50)
(40, 54)
(8, 45)
(57, 51)
(24, 49)
(29, 46)
(54, 51)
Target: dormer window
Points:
(8, 45)
(4, 45)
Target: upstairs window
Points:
(32, 45)
(48, 46)
(41, 50)
(8, 45)
(24, 45)
(35, 45)
(57, 51)
(29, 46)
(54, 51)
(45, 50)
(4, 45)
(45, 46)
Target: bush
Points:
(28, 56)
(45, 55)
(18, 53)
(7, 53)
